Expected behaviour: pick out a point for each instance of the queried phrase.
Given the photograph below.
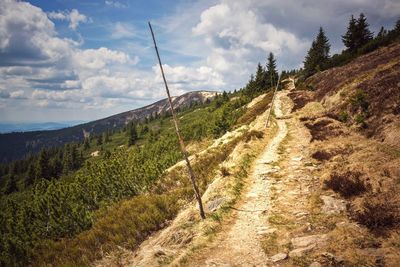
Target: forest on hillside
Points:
(61, 192)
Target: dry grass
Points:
(257, 109)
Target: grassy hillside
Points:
(121, 193)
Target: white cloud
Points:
(19, 94)
(116, 4)
(122, 30)
(183, 78)
(73, 16)
(99, 58)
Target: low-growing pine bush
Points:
(347, 184)
(378, 211)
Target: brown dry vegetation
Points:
(347, 184)
(356, 145)
(324, 128)
(365, 92)
(257, 109)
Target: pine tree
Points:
(363, 34)
(86, 144)
(11, 185)
(225, 97)
(99, 140)
(382, 33)
(260, 81)
(132, 134)
(349, 39)
(397, 26)
(42, 166)
(106, 137)
(357, 34)
(30, 178)
(318, 55)
(271, 74)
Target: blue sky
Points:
(82, 60)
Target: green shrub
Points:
(343, 116)
(359, 100)
(360, 118)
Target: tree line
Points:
(358, 40)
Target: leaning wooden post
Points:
(182, 144)
(272, 102)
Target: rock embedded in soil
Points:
(305, 241)
(266, 231)
(332, 205)
(215, 204)
(279, 257)
(299, 252)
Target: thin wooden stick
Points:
(182, 144)
(272, 102)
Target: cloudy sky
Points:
(66, 60)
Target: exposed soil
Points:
(240, 244)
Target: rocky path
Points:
(240, 245)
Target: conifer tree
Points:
(382, 33)
(271, 74)
(363, 34)
(86, 144)
(225, 96)
(260, 81)
(30, 178)
(358, 33)
(132, 134)
(349, 38)
(318, 55)
(99, 140)
(42, 167)
(397, 26)
(11, 185)
(106, 137)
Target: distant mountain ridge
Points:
(35, 126)
(15, 145)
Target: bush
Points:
(347, 184)
(321, 155)
(224, 171)
(359, 100)
(379, 211)
(360, 118)
(343, 116)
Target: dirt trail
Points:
(241, 244)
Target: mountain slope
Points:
(364, 93)
(16, 145)
(332, 198)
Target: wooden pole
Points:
(272, 102)
(182, 144)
